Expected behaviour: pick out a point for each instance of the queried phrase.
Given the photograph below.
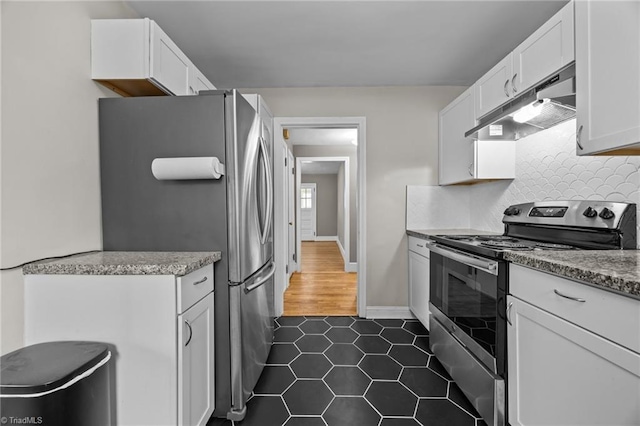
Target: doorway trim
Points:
(346, 199)
(360, 123)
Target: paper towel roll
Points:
(187, 168)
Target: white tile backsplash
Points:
(547, 168)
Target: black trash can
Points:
(56, 384)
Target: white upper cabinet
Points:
(544, 52)
(463, 159)
(608, 77)
(134, 57)
(494, 88)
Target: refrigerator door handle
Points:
(267, 168)
(250, 287)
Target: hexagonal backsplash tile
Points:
(547, 168)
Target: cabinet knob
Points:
(190, 332)
(513, 83)
(469, 169)
(506, 89)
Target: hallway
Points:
(322, 288)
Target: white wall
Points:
(50, 188)
(547, 168)
(402, 134)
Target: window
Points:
(305, 198)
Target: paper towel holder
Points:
(187, 168)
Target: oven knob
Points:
(589, 212)
(511, 211)
(606, 214)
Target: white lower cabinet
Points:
(563, 374)
(159, 329)
(419, 279)
(196, 380)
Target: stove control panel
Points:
(593, 214)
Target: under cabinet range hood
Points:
(546, 105)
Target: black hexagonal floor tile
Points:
(397, 335)
(380, 367)
(442, 412)
(366, 327)
(409, 355)
(305, 421)
(307, 397)
(416, 328)
(313, 343)
(311, 366)
(395, 421)
(424, 382)
(314, 326)
(391, 399)
(340, 321)
(423, 343)
(397, 323)
(341, 335)
(434, 365)
(290, 321)
(282, 353)
(347, 381)
(344, 354)
(274, 380)
(287, 334)
(372, 344)
(265, 410)
(350, 411)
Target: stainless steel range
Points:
(469, 284)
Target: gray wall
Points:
(401, 150)
(340, 151)
(326, 203)
(50, 188)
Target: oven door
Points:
(468, 292)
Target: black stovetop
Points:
(495, 246)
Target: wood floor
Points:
(322, 288)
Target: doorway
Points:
(323, 247)
(308, 212)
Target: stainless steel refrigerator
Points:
(233, 214)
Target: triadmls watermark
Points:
(27, 420)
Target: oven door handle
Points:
(486, 265)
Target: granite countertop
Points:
(125, 263)
(426, 233)
(617, 270)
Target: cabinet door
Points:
(561, 374)
(456, 151)
(168, 66)
(607, 75)
(544, 52)
(196, 382)
(419, 287)
(494, 88)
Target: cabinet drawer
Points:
(609, 315)
(194, 286)
(419, 246)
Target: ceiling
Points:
(306, 136)
(320, 167)
(264, 44)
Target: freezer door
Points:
(250, 190)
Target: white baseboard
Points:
(351, 267)
(386, 312)
(323, 238)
